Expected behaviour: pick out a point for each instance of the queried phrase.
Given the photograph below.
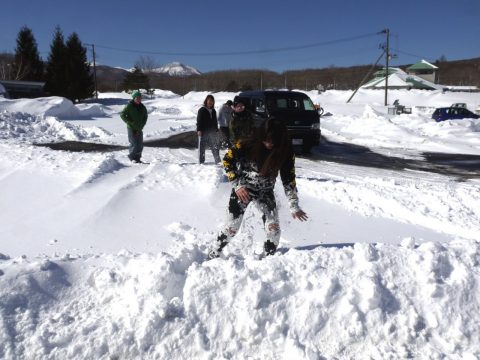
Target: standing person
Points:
(135, 115)
(252, 166)
(207, 130)
(241, 123)
(224, 117)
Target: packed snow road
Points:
(460, 166)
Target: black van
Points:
(295, 108)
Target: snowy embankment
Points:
(366, 301)
(100, 259)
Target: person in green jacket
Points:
(135, 115)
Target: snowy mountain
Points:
(177, 69)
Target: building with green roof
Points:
(425, 70)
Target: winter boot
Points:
(215, 253)
(269, 248)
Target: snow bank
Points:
(91, 110)
(53, 106)
(32, 128)
(165, 94)
(49, 106)
(421, 305)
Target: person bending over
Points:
(252, 166)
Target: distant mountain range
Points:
(176, 69)
(172, 69)
(109, 77)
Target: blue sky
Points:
(419, 29)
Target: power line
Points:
(247, 52)
(413, 55)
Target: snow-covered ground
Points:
(101, 259)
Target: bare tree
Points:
(6, 66)
(146, 63)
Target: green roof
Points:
(419, 84)
(381, 72)
(422, 65)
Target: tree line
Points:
(459, 72)
(66, 72)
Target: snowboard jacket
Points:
(244, 172)
(224, 116)
(241, 126)
(134, 115)
(205, 120)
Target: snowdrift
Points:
(35, 128)
(381, 301)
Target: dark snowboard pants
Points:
(135, 138)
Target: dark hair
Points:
(208, 97)
(229, 103)
(269, 162)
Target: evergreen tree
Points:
(80, 80)
(28, 65)
(56, 74)
(136, 80)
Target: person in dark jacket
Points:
(252, 166)
(207, 130)
(241, 124)
(135, 115)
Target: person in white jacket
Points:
(224, 116)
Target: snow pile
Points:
(422, 305)
(91, 110)
(165, 94)
(53, 106)
(31, 128)
(48, 106)
(371, 126)
(451, 208)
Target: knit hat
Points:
(135, 94)
(239, 100)
(229, 103)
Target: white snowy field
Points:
(101, 259)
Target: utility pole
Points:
(94, 69)
(387, 58)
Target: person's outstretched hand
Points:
(300, 215)
(243, 195)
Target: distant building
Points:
(16, 89)
(399, 79)
(424, 70)
(421, 75)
